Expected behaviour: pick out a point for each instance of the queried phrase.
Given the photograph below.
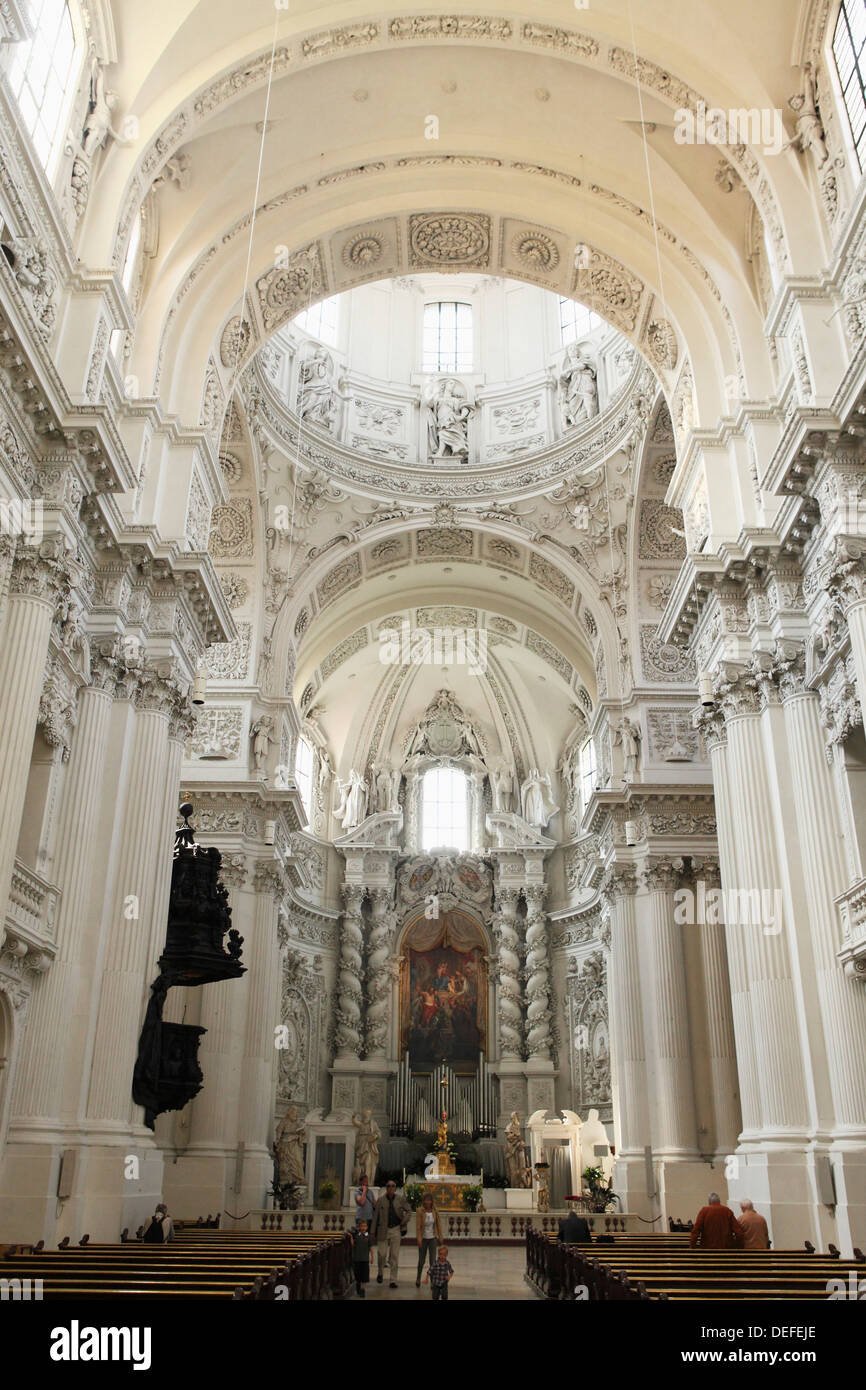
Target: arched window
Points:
(445, 809)
(321, 321)
(304, 773)
(42, 73)
(447, 338)
(849, 41)
(588, 772)
(575, 321)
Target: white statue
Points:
(289, 1147)
(593, 1134)
(366, 1146)
(176, 171)
(810, 127)
(383, 786)
(516, 1167)
(316, 389)
(628, 734)
(97, 122)
(503, 788)
(353, 801)
(448, 428)
(262, 734)
(579, 387)
(537, 799)
(325, 770)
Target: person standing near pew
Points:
(716, 1227)
(361, 1257)
(160, 1228)
(390, 1221)
(755, 1233)
(574, 1230)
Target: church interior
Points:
(433, 632)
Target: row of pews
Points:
(646, 1267)
(200, 1262)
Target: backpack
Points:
(154, 1234)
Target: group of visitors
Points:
(383, 1222)
(715, 1228)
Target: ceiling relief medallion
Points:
(235, 341)
(286, 290)
(607, 287)
(537, 251)
(449, 239)
(661, 344)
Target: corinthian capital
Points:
(620, 881)
(42, 571)
(660, 877)
(846, 579)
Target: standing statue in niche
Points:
(262, 735)
(353, 801)
(316, 402)
(383, 784)
(289, 1147)
(366, 1146)
(537, 799)
(628, 734)
(325, 771)
(516, 1167)
(448, 427)
(579, 386)
(503, 788)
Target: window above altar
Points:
(445, 809)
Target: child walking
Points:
(439, 1273)
(361, 1258)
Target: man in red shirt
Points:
(716, 1227)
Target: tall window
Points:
(444, 809)
(321, 321)
(848, 44)
(447, 338)
(41, 74)
(304, 773)
(575, 321)
(588, 772)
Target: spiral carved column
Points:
(508, 944)
(349, 995)
(378, 974)
(538, 1011)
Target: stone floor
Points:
(480, 1273)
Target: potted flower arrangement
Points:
(329, 1196)
(473, 1196)
(596, 1191)
(414, 1194)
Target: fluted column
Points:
(538, 1010)
(65, 991)
(214, 1122)
(629, 1064)
(846, 583)
(262, 959)
(349, 994)
(508, 946)
(378, 978)
(7, 557)
(712, 725)
(842, 1001)
(39, 581)
(138, 843)
(719, 1023)
(778, 1058)
(666, 1010)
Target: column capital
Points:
(43, 571)
(620, 881)
(846, 577)
(353, 896)
(660, 876)
(267, 878)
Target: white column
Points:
(38, 581)
(666, 1010)
(214, 1123)
(537, 993)
(261, 955)
(508, 942)
(712, 726)
(349, 994)
(628, 1051)
(378, 976)
(65, 991)
(721, 1046)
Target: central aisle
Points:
(480, 1273)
